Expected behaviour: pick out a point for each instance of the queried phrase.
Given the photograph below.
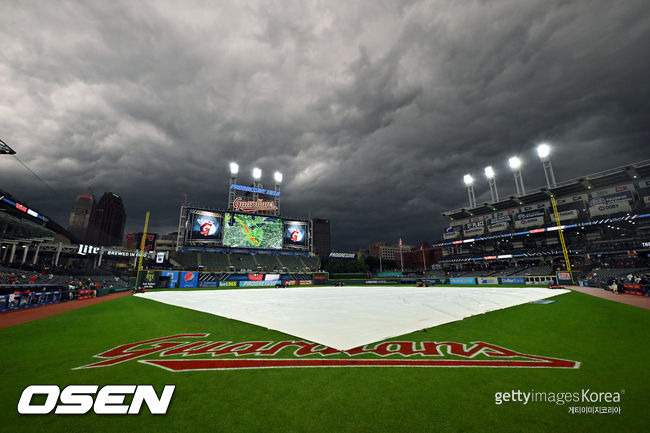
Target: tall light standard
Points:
(469, 181)
(277, 176)
(257, 175)
(489, 173)
(515, 165)
(234, 169)
(543, 151)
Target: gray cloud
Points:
(372, 110)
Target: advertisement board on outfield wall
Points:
(189, 279)
(462, 280)
(488, 280)
(513, 280)
(227, 283)
(305, 282)
(257, 283)
(173, 277)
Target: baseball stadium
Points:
(528, 313)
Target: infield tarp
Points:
(347, 317)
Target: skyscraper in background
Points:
(321, 237)
(80, 215)
(107, 221)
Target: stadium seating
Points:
(214, 262)
(535, 270)
(243, 261)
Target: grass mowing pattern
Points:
(609, 339)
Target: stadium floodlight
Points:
(234, 168)
(514, 163)
(489, 173)
(543, 150)
(257, 173)
(278, 177)
(469, 180)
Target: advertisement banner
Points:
(513, 280)
(488, 280)
(479, 218)
(500, 218)
(173, 277)
(497, 227)
(462, 280)
(450, 235)
(251, 231)
(189, 279)
(474, 231)
(509, 212)
(612, 203)
(531, 222)
(258, 283)
(227, 283)
(149, 280)
(564, 276)
(614, 190)
(305, 282)
(532, 214)
(535, 207)
(572, 199)
(475, 224)
(208, 283)
(567, 215)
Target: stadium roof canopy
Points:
(5, 149)
(592, 182)
(22, 213)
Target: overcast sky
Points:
(373, 110)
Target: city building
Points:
(80, 215)
(321, 237)
(106, 227)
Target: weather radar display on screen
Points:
(251, 231)
(205, 226)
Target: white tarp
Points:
(347, 317)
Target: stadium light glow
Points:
(278, 177)
(543, 150)
(234, 168)
(257, 173)
(468, 179)
(514, 163)
(489, 172)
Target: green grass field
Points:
(610, 341)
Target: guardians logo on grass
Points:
(177, 353)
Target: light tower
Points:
(543, 151)
(515, 165)
(234, 169)
(489, 173)
(277, 176)
(469, 181)
(257, 175)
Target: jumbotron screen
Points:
(296, 234)
(206, 226)
(252, 231)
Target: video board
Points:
(296, 235)
(205, 226)
(252, 231)
(211, 228)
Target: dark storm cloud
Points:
(372, 110)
